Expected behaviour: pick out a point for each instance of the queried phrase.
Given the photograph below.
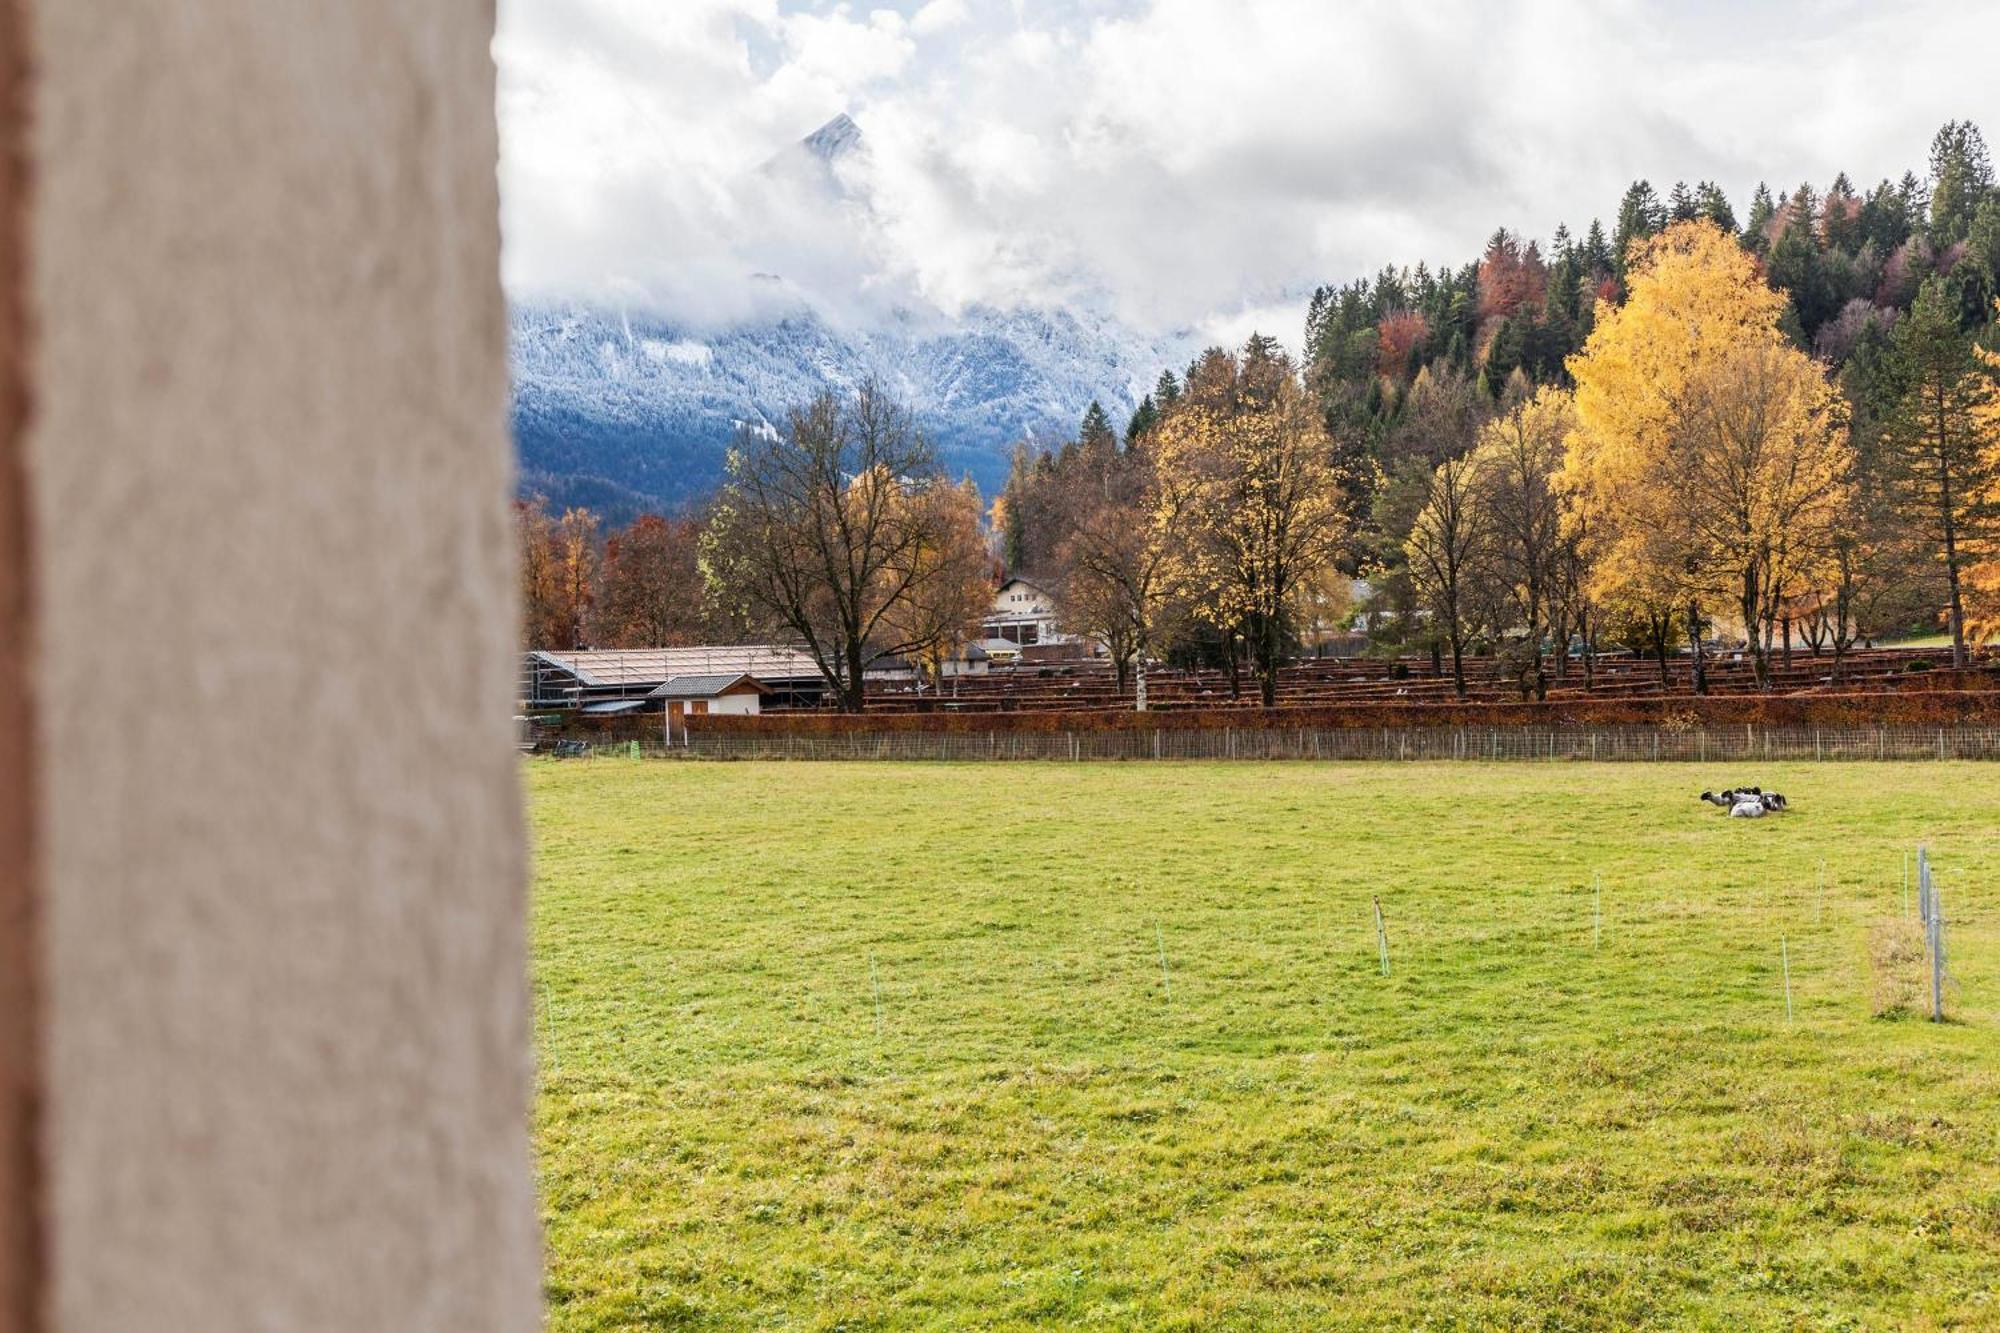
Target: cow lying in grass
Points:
(1746, 802)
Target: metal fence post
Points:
(1937, 959)
(1382, 936)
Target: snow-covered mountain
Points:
(626, 410)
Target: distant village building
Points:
(1022, 625)
(896, 669)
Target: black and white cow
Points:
(1746, 802)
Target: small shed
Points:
(699, 696)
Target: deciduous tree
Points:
(652, 586)
(828, 529)
(1708, 451)
(1445, 553)
(1248, 498)
(1519, 454)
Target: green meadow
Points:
(879, 1046)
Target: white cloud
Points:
(1180, 161)
(939, 15)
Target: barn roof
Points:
(629, 667)
(706, 686)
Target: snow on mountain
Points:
(625, 411)
(628, 412)
(834, 139)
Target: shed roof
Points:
(615, 706)
(707, 686)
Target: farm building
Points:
(895, 669)
(616, 680)
(682, 697)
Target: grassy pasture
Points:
(883, 1046)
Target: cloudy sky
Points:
(1180, 163)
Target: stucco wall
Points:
(285, 1018)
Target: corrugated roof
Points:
(615, 706)
(651, 666)
(702, 687)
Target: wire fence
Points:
(1615, 744)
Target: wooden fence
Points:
(1725, 744)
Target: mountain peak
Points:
(836, 138)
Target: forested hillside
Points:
(1848, 261)
(1418, 373)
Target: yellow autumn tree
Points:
(1516, 461)
(1247, 498)
(1709, 456)
(944, 578)
(1982, 578)
(1447, 553)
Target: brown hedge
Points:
(1934, 707)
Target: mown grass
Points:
(1032, 1125)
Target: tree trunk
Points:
(1957, 609)
(1458, 665)
(1786, 622)
(1270, 647)
(1437, 659)
(854, 698)
(1694, 641)
(1753, 631)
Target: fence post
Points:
(1785, 954)
(1382, 936)
(1936, 941)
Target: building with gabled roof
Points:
(562, 680)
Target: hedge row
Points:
(1891, 708)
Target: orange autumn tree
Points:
(558, 567)
(1982, 578)
(1709, 454)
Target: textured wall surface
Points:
(286, 1023)
(20, 962)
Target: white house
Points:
(700, 696)
(1023, 616)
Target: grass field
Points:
(877, 1046)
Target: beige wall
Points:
(284, 1025)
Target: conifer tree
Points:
(1095, 434)
(1639, 215)
(1711, 203)
(1961, 179)
(1937, 443)
(1143, 419)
